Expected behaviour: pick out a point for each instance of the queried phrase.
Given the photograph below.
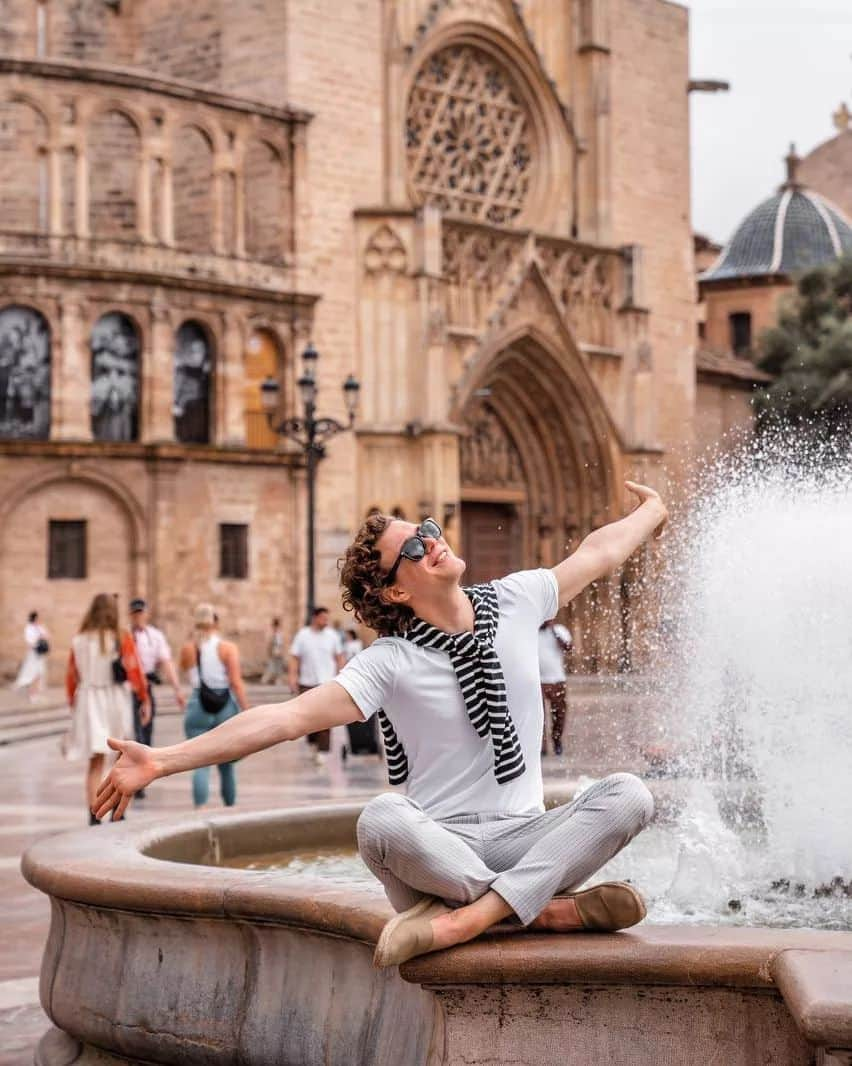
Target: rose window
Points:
(468, 136)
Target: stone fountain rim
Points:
(111, 868)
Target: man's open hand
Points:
(645, 494)
(134, 769)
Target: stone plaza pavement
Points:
(41, 794)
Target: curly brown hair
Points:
(363, 579)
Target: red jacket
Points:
(137, 679)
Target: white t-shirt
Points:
(317, 650)
(151, 648)
(551, 654)
(450, 767)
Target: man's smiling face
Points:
(440, 565)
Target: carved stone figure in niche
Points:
(468, 136)
(115, 378)
(24, 374)
(488, 454)
(192, 385)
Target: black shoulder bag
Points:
(119, 674)
(212, 699)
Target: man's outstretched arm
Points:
(605, 549)
(261, 727)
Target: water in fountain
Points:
(754, 692)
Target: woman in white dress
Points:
(33, 672)
(100, 702)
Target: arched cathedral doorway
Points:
(537, 474)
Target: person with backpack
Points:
(213, 667)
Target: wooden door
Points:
(491, 541)
(260, 361)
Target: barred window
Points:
(66, 550)
(233, 550)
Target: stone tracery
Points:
(469, 137)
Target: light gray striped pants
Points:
(526, 858)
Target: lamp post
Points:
(310, 433)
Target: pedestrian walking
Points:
(213, 666)
(275, 668)
(101, 664)
(315, 657)
(352, 644)
(454, 681)
(154, 654)
(554, 641)
(33, 672)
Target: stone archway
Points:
(115, 551)
(537, 473)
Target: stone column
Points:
(81, 192)
(595, 166)
(239, 211)
(167, 221)
(158, 378)
(218, 208)
(300, 208)
(230, 420)
(71, 383)
(394, 118)
(55, 222)
(144, 226)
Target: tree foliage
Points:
(809, 352)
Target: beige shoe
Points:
(608, 906)
(409, 933)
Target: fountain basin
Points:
(158, 954)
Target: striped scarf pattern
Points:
(480, 677)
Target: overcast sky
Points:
(789, 63)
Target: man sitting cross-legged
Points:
(454, 680)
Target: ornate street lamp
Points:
(310, 433)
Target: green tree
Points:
(809, 352)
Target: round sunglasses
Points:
(414, 547)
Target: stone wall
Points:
(723, 413)
(650, 194)
(152, 528)
(761, 301)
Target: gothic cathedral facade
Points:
(479, 207)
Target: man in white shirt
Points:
(455, 681)
(554, 640)
(315, 657)
(154, 654)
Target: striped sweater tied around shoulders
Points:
(480, 678)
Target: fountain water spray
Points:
(753, 681)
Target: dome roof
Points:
(794, 230)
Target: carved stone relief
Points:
(582, 283)
(385, 253)
(488, 454)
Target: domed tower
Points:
(790, 232)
